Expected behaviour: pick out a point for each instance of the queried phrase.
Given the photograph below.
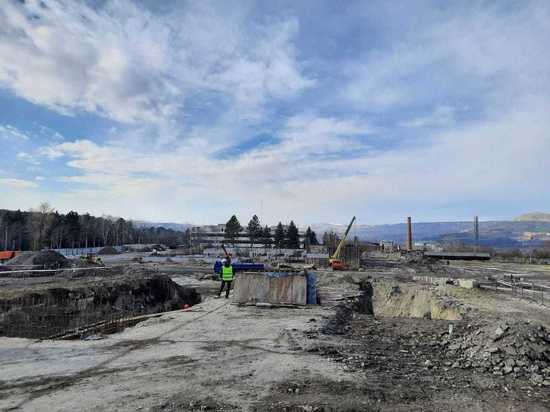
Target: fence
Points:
(528, 290)
(79, 251)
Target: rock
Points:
(499, 332)
(536, 378)
(493, 349)
(507, 370)
(510, 350)
(428, 363)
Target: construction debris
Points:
(517, 348)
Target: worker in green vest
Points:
(227, 277)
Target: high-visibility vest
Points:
(227, 273)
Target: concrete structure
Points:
(409, 245)
(213, 236)
(476, 233)
(317, 259)
(273, 289)
(458, 255)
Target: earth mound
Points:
(108, 250)
(47, 259)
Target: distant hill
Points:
(533, 217)
(492, 233)
(182, 227)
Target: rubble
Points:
(517, 348)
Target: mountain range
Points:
(528, 230)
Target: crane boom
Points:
(227, 255)
(336, 254)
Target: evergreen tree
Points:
(72, 220)
(310, 237)
(292, 237)
(254, 230)
(280, 236)
(266, 237)
(232, 229)
(313, 239)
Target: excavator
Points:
(335, 262)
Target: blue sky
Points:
(311, 110)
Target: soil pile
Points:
(108, 250)
(47, 259)
(519, 349)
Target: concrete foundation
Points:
(276, 289)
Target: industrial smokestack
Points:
(409, 234)
(476, 232)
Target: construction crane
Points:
(227, 255)
(335, 261)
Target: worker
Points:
(227, 277)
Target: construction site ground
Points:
(219, 356)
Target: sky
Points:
(191, 111)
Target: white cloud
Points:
(28, 158)
(489, 54)
(125, 63)
(12, 183)
(134, 66)
(8, 132)
(442, 116)
(486, 161)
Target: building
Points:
(213, 236)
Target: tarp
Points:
(6, 255)
(240, 267)
(311, 279)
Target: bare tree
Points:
(40, 223)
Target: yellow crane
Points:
(334, 260)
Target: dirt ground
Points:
(219, 356)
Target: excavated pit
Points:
(385, 298)
(76, 309)
(413, 300)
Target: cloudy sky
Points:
(306, 110)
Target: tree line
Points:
(44, 227)
(281, 237)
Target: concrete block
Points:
(259, 287)
(468, 283)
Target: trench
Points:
(389, 299)
(106, 307)
(411, 300)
